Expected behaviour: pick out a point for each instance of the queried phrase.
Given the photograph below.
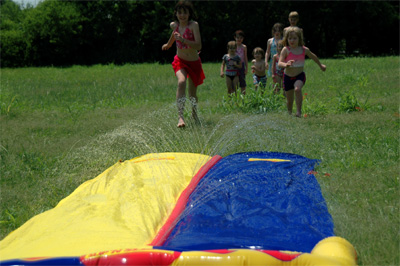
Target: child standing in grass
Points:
(293, 20)
(258, 68)
(277, 72)
(292, 59)
(277, 33)
(187, 64)
(233, 63)
(241, 50)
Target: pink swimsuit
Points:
(194, 68)
(298, 58)
(188, 35)
(240, 53)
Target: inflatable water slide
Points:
(253, 208)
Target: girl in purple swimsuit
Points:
(241, 50)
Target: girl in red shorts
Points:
(187, 64)
(292, 59)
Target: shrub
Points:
(254, 101)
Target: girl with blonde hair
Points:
(292, 59)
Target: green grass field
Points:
(62, 126)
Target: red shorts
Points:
(193, 68)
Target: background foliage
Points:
(62, 33)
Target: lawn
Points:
(63, 126)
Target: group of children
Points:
(284, 60)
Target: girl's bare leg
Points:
(181, 96)
(193, 99)
(299, 96)
(277, 81)
(281, 86)
(229, 85)
(275, 86)
(289, 101)
(235, 85)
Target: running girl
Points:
(187, 63)
(292, 58)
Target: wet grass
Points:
(62, 126)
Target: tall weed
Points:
(313, 106)
(259, 100)
(348, 102)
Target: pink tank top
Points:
(298, 58)
(188, 35)
(240, 52)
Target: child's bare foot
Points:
(298, 114)
(181, 122)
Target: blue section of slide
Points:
(261, 200)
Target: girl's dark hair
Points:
(185, 4)
(238, 32)
(277, 27)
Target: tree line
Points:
(62, 33)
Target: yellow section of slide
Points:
(329, 251)
(123, 207)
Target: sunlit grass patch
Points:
(62, 126)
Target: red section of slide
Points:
(166, 229)
(280, 255)
(134, 259)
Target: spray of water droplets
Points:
(157, 132)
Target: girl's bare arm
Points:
(171, 40)
(246, 60)
(222, 68)
(315, 59)
(268, 52)
(169, 43)
(274, 65)
(282, 58)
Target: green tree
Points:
(111, 31)
(58, 32)
(12, 42)
(52, 31)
